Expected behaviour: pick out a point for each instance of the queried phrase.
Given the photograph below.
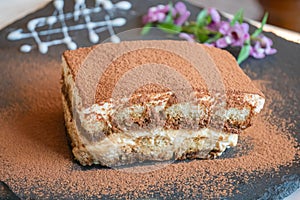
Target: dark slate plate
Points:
(281, 70)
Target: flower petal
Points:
(161, 17)
(224, 28)
(228, 39)
(163, 8)
(181, 19)
(152, 9)
(246, 36)
(180, 8)
(267, 41)
(254, 53)
(215, 16)
(210, 45)
(258, 55)
(187, 37)
(221, 43)
(270, 51)
(245, 27)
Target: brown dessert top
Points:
(174, 65)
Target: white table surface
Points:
(13, 10)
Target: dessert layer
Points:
(145, 145)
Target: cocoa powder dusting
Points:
(36, 161)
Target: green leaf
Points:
(202, 34)
(260, 29)
(238, 17)
(244, 53)
(202, 38)
(208, 20)
(190, 28)
(169, 28)
(201, 18)
(203, 31)
(146, 28)
(169, 18)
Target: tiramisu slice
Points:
(154, 101)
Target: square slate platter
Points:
(281, 70)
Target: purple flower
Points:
(233, 35)
(156, 14)
(223, 42)
(215, 16)
(159, 13)
(224, 27)
(210, 44)
(239, 33)
(180, 13)
(262, 47)
(215, 19)
(188, 37)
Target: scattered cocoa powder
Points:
(36, 161)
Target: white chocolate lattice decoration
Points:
(60, 19)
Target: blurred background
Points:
(282, 13)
